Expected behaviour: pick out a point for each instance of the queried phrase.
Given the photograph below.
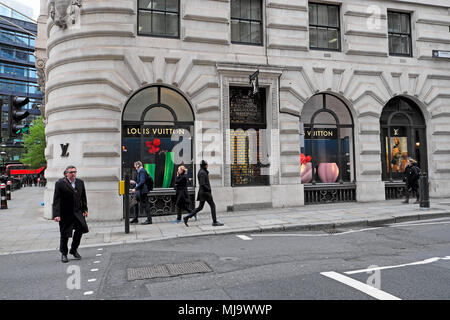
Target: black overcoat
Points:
(412, 174)
(69, 204)
(204, 193)
(182, 192)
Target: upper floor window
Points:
(399, 29)
(246, 21)
(159, 18)
(324, 27)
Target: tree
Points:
(34, 143)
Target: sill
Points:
(248, 44)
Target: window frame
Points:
(400, 34)
(338, 28)
(139, 33)
(261, 23)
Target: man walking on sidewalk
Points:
(141, 191)
(70, 210)
(204, 195)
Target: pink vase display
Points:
(328, 172)
(306, 172)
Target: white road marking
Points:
(426, 261)
(88, 293)
(311, 235)
(92, 280)
(98, 255)
(100, 249)
(93, 270)
(243, 237)
(416, 224)
(369, 290)
(97, 261)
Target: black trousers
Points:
(180, 209)
(212, 205)
(144, 205)
(75, 243)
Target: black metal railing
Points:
(329, 193)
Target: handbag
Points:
(133, 201)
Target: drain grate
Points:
(167, 270)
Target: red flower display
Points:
(153, 146)
(304, 159)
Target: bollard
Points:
(424, 192)
(4, 203)
(8, 189)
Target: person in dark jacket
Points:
(70, 210)
(204, 195)
(412, 174)
(182, 195)
(141, 191)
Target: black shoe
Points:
(134, 221)
(147, 222)
(76, 255)
(217, 224)
(185, 219)
(64, 258)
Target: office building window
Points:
(324, 27)
(159, 18)
(246, 21)
(399, 29)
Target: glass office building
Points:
(17, 69)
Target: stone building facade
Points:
(367, 62)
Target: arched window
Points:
(157, 129)
(403, 135)
(327, 142)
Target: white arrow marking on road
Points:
(426, 261)
(371, 291)
(244, 237)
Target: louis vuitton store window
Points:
(327, 150)
(248, 137)
(157, 129)
(403, 135)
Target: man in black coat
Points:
(412, 175)
(70, 210)
(141, 191)
(204, 195)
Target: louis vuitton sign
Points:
(153, 131)
(321, 133)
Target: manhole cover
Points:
(167, 270)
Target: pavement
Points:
(24, 229)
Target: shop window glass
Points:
(247, 138)
(157, 130)
(327, 141)
(135, 107)
(403, 135)
(177, 103)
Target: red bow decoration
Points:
(153, 146)
(304, 159)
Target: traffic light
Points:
(16, 115)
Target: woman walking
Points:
(182, 195)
